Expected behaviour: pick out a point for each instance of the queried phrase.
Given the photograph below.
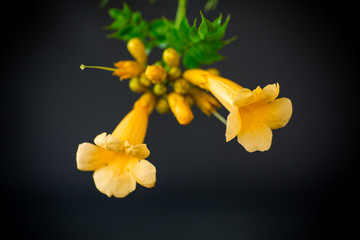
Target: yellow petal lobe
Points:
(277, 113)
(233, 125)
(115, 179)
(144, 173)
(255, 137)
(138, 151)
(109, 142)
(89, 157)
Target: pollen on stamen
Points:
(82, 66)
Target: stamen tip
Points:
(82, 66)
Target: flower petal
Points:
(244, 98)
(233, 125)
(138, 151)
(267, 94)
(277, 113)
(256, 136)
(114, 180)
(144, 173)
(89, 157)
(109, 142)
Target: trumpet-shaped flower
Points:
(128, 69)
(253, 114)
(118, 159)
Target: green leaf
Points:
(197, 45)
(205, 42)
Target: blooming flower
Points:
(128, 69)
(118, 159)
(253, 114)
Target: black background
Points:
(304, 187)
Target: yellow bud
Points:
(156, 74)
(174, 73)
(213, 71)
(162, 106)
(160, 89)
(180, 108)
(181, 86)
(135, 85)
(190, 100)
(145, 81)
(171, 57)
(137, 49)
(206, 102)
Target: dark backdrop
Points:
(303, 188)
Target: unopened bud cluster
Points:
(165, 79)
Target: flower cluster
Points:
(118, 159)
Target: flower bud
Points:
(145, 81)
(190, 100)
(213, 71)
(137, 49)
(180, 108)
(135, 85)
(174, 73)
(181, 86)
(160, 89)
(171, 57)
(162, 106)
(206, 103)
(155, 73)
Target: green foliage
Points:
(197, 45)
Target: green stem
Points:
(221, 118)
(180, 13)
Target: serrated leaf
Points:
(184, 26)
(203, 30)
(194, 35)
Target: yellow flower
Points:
(180, 108)
(137, 49)
(118, 159)
(206, 103)
(155, 73)
(253, 114)
(128, 69)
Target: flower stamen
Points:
(82, 66)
